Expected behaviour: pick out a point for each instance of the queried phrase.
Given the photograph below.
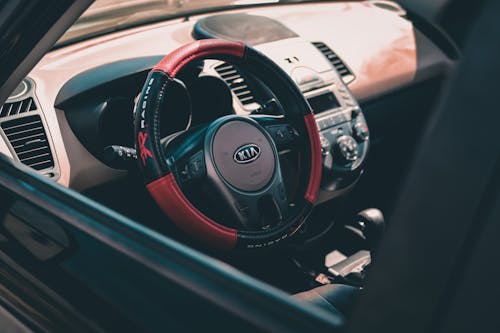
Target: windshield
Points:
(105, 16)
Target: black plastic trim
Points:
(435, 34)
(92, 78)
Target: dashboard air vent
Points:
(334, 59)
(28, 138)
(236, 82)
(11, 109)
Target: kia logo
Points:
(246, 154)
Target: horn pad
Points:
(243, 155)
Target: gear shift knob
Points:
(371, 222)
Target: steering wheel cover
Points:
(166, 192)
(161, 182)
(316, 161)
(173, 62)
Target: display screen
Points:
(323, 102)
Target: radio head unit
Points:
(324, 102)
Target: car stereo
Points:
(343, 133)
(323, 102)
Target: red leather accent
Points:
(316, 167)
(144, 152)
(173, 62)
(168, 195)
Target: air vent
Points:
(29, 140)
(11, 109)
(334, 59)
(236, 82)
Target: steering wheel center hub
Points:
(243, 155)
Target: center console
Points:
(343, 132)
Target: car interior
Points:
(274, 137)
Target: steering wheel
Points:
(236, 155)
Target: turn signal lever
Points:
(120, 157)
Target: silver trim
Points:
(22, 93)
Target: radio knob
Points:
(325, 144)
(355, 112)
(360, 131)
(347, 148)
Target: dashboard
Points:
(79, 99)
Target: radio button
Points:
(330, 121)
(339, 119)
(355, 112)
(321, 124)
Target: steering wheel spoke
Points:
(257, 211)
(184, 154)
(283, 133)
(193, 169)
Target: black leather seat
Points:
(339, 299)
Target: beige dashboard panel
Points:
(378, 45)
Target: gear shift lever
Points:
(368, 224)
(372, 225)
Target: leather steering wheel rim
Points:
(157, 171)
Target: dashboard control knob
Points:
(325, 145)
(360, 131)
(355, 112)
(347, 148)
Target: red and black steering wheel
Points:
(236, 155)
